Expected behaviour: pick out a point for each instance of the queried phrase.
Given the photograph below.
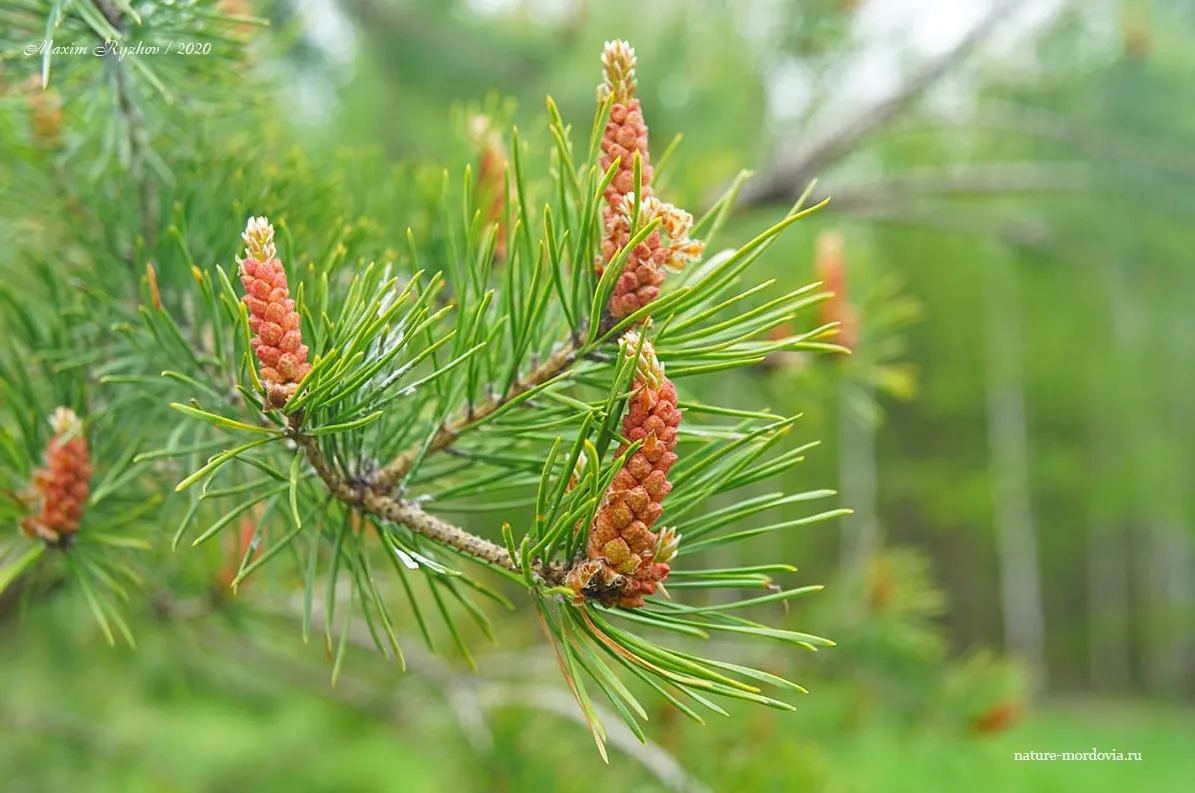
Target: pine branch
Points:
(366, 497)
(147, 189)
(339, 366)
(389, 476)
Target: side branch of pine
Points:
(385, 479)
(400, 511)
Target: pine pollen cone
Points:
(244, 546)
(624, 137)
(491, 179)
(830, 263)
(625, 560)
(623, 140)
(668, 247)
(626, 131)
(62, 486)
(277, 338)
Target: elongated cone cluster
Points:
(491, 180)
(624, 558)
(62, 485)
(626, 131)
(625, 136)
(666, 248)
(277, 339)
(830, 262)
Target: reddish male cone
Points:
(626, 131)
(625, 136)
(491, 179)
(243, 546)
(62, 485)
(242, 31)
(668, 247)
(997, 718)
(277, 339)
(624, 558)
(830, 263)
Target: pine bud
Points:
(624, 558)
(491, 179)
(62, 485)
(151, 280)
(831, 271)
(277, 338)
(624, 137)
(618, 71)
(1138, 39)
(578, 473)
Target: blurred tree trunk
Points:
(1107, 556)
(1151, 424)
(1020, 577)
(1171, 557)
(1182, 568)
(1108, 601)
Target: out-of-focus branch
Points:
(1037, 123)
(30, 582)
(662, 765)
(472, 697)
(961, 181)
(137, 133)
(785, 181)
(388, 477)
(1017, 232)
(462, 47)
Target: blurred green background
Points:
(1013, 183)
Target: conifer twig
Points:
(138, 147)
(386, 478)
(482, 695)
(398, 510)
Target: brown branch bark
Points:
(366, 497)
(385, 480)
